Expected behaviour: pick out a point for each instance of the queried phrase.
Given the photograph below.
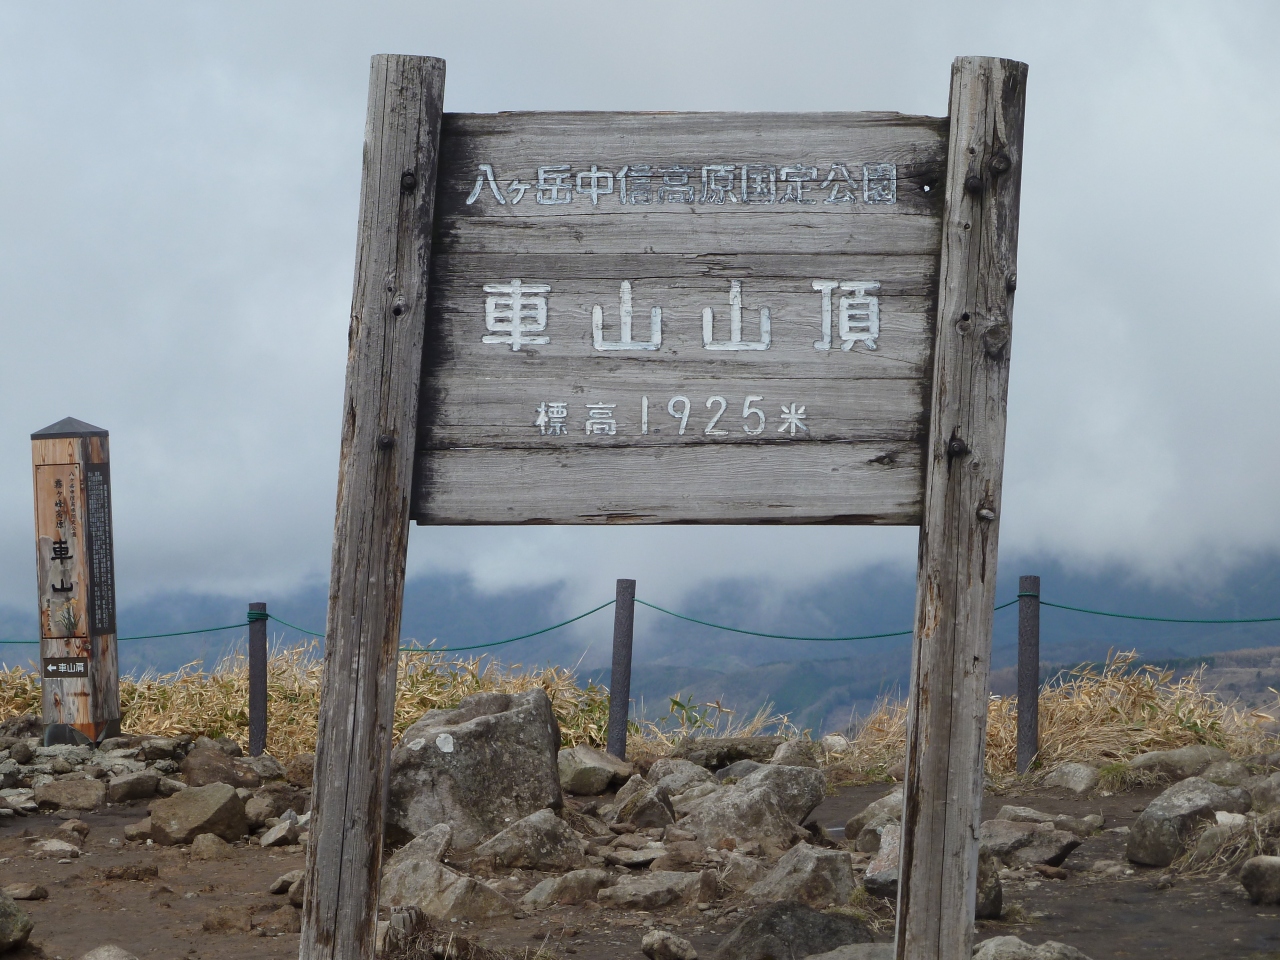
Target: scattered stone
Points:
(298, 892)
(414, 878)
(649, 891)
(22, 752)
(576, 886)
(881, 878)
(766, 806)
(665, 945)
(138, 831)
(677, 775)
(109, 951)
(1261, 878)
(285, 881)
(1048, 846)
(25, 891)
(1178, 764)
(282, 921)
(868, 838)
(1226, 773)
(801, 752)
(15, 925)
(634, 859)
(299, 769)
(541, 841)
(586, 771)
(134, 871)
(159, 748)
(132, 786)
(207, 846)
(210, 809)
(1218, 834)
(650, 808)
(889, 805)
(1051, 873)
(207, 764)
(739, 872)
(1083, 827)
(820, 878)
(1165, 828)
(228, 919)
(1023, 815)
(835, 743)
(436, 842)
(738, 769)
(54, 850)
(74, 831)
(265, 766)
(990, 901)
(790, 929)
(167, 787)
(479, 767)
(71, 795)
(1077, 777)
(716, 752)
(283, 834)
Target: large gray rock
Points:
(1076, 777)
(1180, 763)
(479, 767)
(215, 809)
(767, 805)
(1226, 773)
(1163, 831)
(1261, 878)
(209, 763)
(678, 775)
(649, 891)
(801, 752)
(716, 752)
(15, 925)
(856, 951)
(812, 875)
(665, 945)
(648, 808)
(790, 929)
(576, 886)
(990, 900)
(889, 805)
(881, 878)
(740, 872)
(414, 878)
(133, 786)
(71, 795)
(1012, 948)
(541, 841)
(868, 838)
(586, 771)
(1264, 791)
(1047, 846)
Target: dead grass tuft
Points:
(1104, 715)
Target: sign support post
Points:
(955, 596)
(371, 530)
(80, 677)
(624, 618)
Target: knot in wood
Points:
(973, 184)
(408, 182)
(1011, 282)
(986, 513)
(1000, 163)
(995, 339)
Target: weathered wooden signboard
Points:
(678, 318)
(76, 577)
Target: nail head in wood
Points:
(957, 447)
(408, 182)
(1000, 163)
(386, 442)
(973, 184)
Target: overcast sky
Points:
(178, 191)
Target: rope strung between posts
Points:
(1134, 616)
(498, 643)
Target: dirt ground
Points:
(164, 915)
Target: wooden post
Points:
(1028, 671)
(957, 566)
(380, 410)
(257, 678)
(624, 618)
(80, 677)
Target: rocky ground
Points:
(181, 848)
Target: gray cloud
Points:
(178, 193)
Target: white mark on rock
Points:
(417, 744)
(445, 743)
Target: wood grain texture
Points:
(479, 398)
(958, 538)
(371, 526)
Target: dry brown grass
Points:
(215, 703)
(1090, 715)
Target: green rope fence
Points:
(256, 615)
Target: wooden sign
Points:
(681, 318)
(76, 577)
(678, 318)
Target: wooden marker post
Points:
(624, 618)
(371, 531)
(75, 566)
(257, 679)
(955, 597)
